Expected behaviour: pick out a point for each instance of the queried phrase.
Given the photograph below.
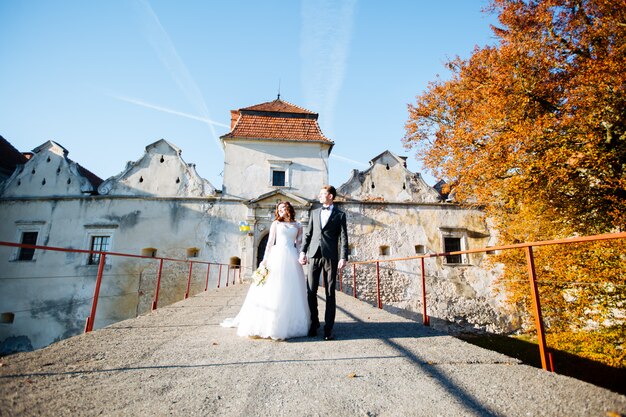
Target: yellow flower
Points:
(260, 275)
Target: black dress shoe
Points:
(328, 336)
(312, 332)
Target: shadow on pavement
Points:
(565, 363)
(389, 331)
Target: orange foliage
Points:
(538, 118)
(533, 129)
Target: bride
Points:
(277, 308)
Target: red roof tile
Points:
(276, 120)
(10, 158)
(278, 105)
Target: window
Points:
(454, 239)
(27, 232)
(419, 249)
(384, 251)
(278, 178)
(101, 244)
(351, 250)
(280, 173)
(452, 244)
(27, 254)
(192, 252)
(99, 237)
(7, 318)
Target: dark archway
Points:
(261, 249)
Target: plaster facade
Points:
(159, 206)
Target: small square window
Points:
(278, 178)
(420, 250)
(7, 318)
(27, 254)
(452, 244)
(101, 244)
(384, 250)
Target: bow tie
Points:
(326, 208)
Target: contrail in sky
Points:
(165, 50)
(324, 43)
(352, 161)
(166, 110)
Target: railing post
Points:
(234, 274)
(158, 286)
(208, 269)
(219, 276)
(189, 280)
(227, 274)
(94, 305)
(380, 304)
(425, 317)
(354, 280)
(538, 317)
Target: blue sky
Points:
(106, 78)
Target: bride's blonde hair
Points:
(290, 214)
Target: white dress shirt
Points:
(325, 214)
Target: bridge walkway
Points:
(179, 361)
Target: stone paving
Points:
(179, 361)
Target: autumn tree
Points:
(533, 129)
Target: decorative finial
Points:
(278, 89)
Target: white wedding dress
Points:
(278, 309)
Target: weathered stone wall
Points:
(463, 296)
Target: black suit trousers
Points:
(327, 269)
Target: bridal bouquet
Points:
(259, 276)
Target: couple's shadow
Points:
(358, 329)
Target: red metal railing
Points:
(546, 357)
(89, 323)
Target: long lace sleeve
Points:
(299, 238)
(270, 241)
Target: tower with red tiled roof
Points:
(274, 146)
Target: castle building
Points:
(158, 206)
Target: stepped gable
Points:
(10, 158)
(275, 120)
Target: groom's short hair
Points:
(331, 190)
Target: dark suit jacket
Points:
(332, 240)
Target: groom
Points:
(326, 240)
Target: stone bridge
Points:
(179, 361)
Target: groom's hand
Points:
(302, 259)
(342, 263)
